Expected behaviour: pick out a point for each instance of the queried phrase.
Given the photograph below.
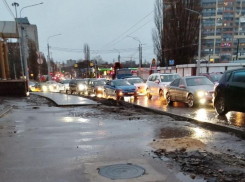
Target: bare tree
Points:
(157, 33)
(86, 51)
(179, 30)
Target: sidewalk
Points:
(66, 100)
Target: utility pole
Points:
(16, 5)
(49, 55)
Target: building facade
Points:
(223, 30)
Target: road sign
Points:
(171, 62)
(40, 61)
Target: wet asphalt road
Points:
(49, 144)
(202, 113)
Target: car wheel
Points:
(190, 100)
(220, 107)
(168, 98)
(149, 96)
(160, 93)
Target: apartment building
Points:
(223, 30)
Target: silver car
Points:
(156, 83)
(192, 90)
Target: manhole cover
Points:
(121, 171)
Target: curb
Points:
(5, 111)
(211, 126)
(204, 124)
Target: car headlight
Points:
(120, 93)
(200, 94)
(81, 87)
(50, 87)
(44, 88)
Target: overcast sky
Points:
(96, 22)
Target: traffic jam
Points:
(219, 92)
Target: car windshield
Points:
(121, 83)
(135, 80)
(198, 81)
(99, 82)
(81, 81)
(66, 81)
(215, 78)
(169, 78)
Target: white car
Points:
(64, 86)
(52, 86)
(156, 83)
(139, 83)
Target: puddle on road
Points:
(186, 178)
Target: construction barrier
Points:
(14, 88)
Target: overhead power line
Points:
(127, 30)
(8, 8)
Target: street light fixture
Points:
(118, 55)
(29, 6)
(200, 39)
(140, 53)
(49, 55)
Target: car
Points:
(119, 88)
(214, 77)
(96, 87)
(52, 86)
(31, 85)
(64, 86)
(229, 94)
(192, 90)
(36, 88)
(77, 85)
(139, 83)
(156, 83)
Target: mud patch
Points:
(172, 144)
(175, 133)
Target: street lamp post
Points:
(25, 69)
(118, 55)
(199, 42)
(140, 53)
(49, 55)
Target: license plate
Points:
(130, 92)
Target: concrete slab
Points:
(151, 175)
(66, 100)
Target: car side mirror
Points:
(181, 86)
(157, 81)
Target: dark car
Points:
(119, 88)
(214, 77)
(78, 86)
(96, 87)
(229, 94)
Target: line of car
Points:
(226, 91)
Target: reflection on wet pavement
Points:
(202, 113)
